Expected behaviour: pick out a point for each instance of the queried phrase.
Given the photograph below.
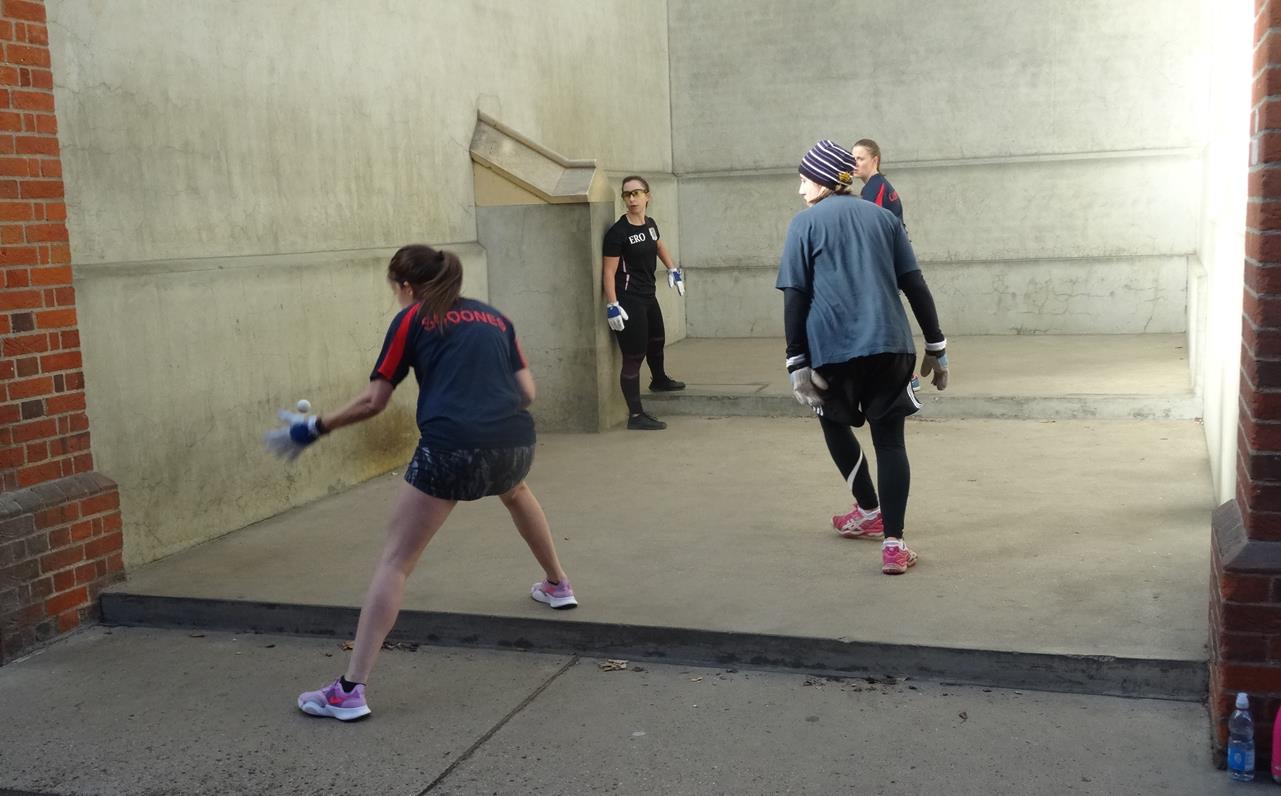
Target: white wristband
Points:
(939, 346)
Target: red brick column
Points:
(60, 535)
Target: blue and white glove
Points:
(935, 361)
(807, 384)
(676, 280)
(289, 440)
(615, 315)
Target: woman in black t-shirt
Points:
(632, 249)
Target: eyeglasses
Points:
(637, 192)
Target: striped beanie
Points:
(828, 165)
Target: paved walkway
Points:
(142, 711)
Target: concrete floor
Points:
(145, 711)
(1077, 537)
(1042, 539)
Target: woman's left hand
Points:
(676, 280)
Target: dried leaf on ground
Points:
(613, 665)
(348, 646)
(407, 646)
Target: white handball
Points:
(304, 406)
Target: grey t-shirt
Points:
(847, 255)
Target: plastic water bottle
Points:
(1241, 742)
(1276, 748)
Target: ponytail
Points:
(435, 276)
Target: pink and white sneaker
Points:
(559, 596)
(860, 524)
(334, 702)
(896, 557)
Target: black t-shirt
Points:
(879, 191)
(467, 392)
(636, 248)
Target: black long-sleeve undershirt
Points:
(922, 300)
(796, 308)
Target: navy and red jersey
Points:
(879, 191)
(466, 371)
(636, 248)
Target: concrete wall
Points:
(237, 174)
(545, 256)
(1215, 283)
(1048, 154)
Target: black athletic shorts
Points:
(873, 388)
(468, 474)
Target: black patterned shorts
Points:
(468, 474)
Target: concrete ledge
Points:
(37, 498)
(1239, 553)
(1182, 680)
(945, 407)
(548, 175)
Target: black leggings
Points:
(893, 474)
(642, 338)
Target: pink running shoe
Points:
(859, 524)
(560, 596)
(334, 702)
(896, 557)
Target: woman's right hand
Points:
(615, 316)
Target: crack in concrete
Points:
(482, 740)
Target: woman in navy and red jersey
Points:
(474, 386)
(876, 189)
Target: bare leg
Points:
(532, 525)
(414, 521)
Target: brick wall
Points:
(59, 521)
(1245, 603)
(59, 546)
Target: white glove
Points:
(615, 315)
(289, 440)
(807, 386)
(936, 362)
(675, 279)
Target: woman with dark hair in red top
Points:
(474, 386)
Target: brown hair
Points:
(870, 146)
(435, 276)
(636, 178)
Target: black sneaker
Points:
(670, 385)
(645, 422)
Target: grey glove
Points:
(935, 362)
(807, 386)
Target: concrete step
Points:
(706, 401)
(1102, 675)
(1060, 555)
(1132, 377)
